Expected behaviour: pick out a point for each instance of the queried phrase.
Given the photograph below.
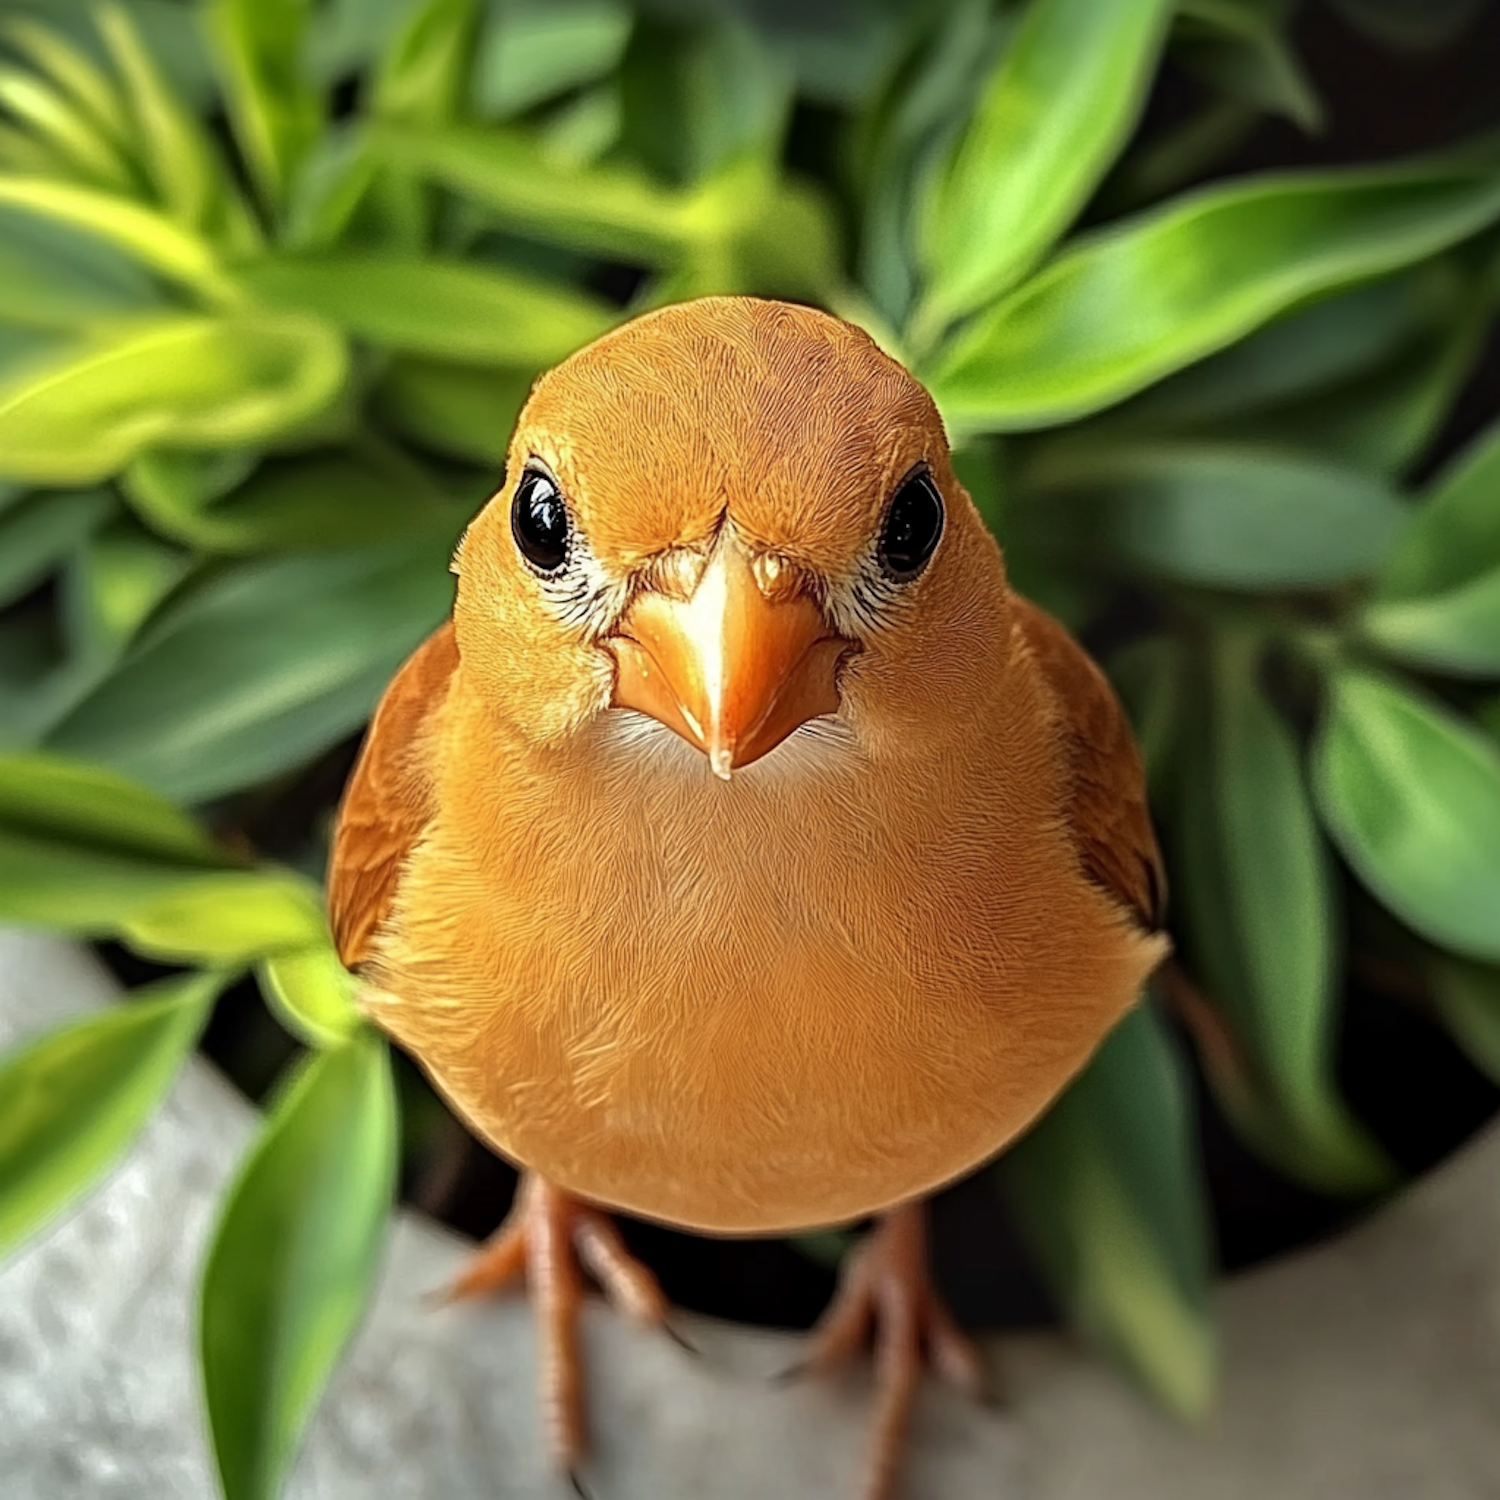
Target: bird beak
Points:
(730, 669)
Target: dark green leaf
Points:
(182, 381)
(1411, 793)
(1437, 600)
(450, 310)
(1239, 48)
(293, 1260)
(37, 534)
(1467, 997)
(72, 1102)
(1066, 93)
(1107, 1191)
(1224, 517)
(1126, 306)
(273, 107)
(1256, 906)
(535, 52)
(265, 665)
(112, 583)
(1410, 25)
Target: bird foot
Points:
(546, 1238)
(885, 1286)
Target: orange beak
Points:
(732, 671)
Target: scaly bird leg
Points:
(545, 1237)
(885, 1283)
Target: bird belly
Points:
(749, 1026)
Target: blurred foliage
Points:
(274, 279)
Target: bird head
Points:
(732, 516)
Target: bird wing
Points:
(387, 803)
(1110, 821)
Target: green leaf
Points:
(72, 802)
(112, 583)
(273, 107)
(72, 1102)
(81, 150)
(1411, 794)
(1239, 48)
(294, 1259)
(1217, 515)
(1256, 904)
(1059, 105)
(1437, 600)
(173, 380)
(1467, 997)
(147, 236)
(454, 409)
(1410, 25)
(528, 54)
(424, 74)
(609, 209)
(72, 70)
(37, 534)
(1106, 1189)
(313, 994)
(228, 918)
(1128, 305)
(448, 309)
(265, 665)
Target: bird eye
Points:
(539, 522)
(913, 525)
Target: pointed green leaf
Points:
(74, 72)
(174, 380)
(1107, 1191)
(528, 54)
(1240, 48)
(1128, 305)
(313, 994)
(142, 233)
(1218, 515)
(447, 309)
(293, 1260)
(83, 152)
(1256, 904)
(460, 410)
(273, 106)
(232, 917)
(1411, 794)
(424, 74)
(72, 1102)
(262, 667)
(1437, 600)
(1065, 95)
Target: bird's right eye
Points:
(539, 522)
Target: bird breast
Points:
(832, 983)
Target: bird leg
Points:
(885, 1283)
(546, 1237)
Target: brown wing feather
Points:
(1111, 822)
(386, 803)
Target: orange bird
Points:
(745, 854)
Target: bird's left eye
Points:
(539, 522)
(913, 525)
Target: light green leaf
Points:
(37, 534)
(1107, 1190)
(1066, 93)
(1218, 515)
(72, 1102)
(1411, 794)
(1467, 997)
(174, 380)
(313, 994)
(265, 665)
(72, 802)
(1437, 600)
(73, 71)
(610, 209)
(448, 309)
(454, 409)
(424, 73)
(228, 918)
(82, 150)
(1256, 904)
(293, 1260)
(274, 109)
(1126, 306)
(534, 52)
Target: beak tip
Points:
(720, 762)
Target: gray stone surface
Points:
(1363, 1369)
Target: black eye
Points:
(912, 527)
(539, 522)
